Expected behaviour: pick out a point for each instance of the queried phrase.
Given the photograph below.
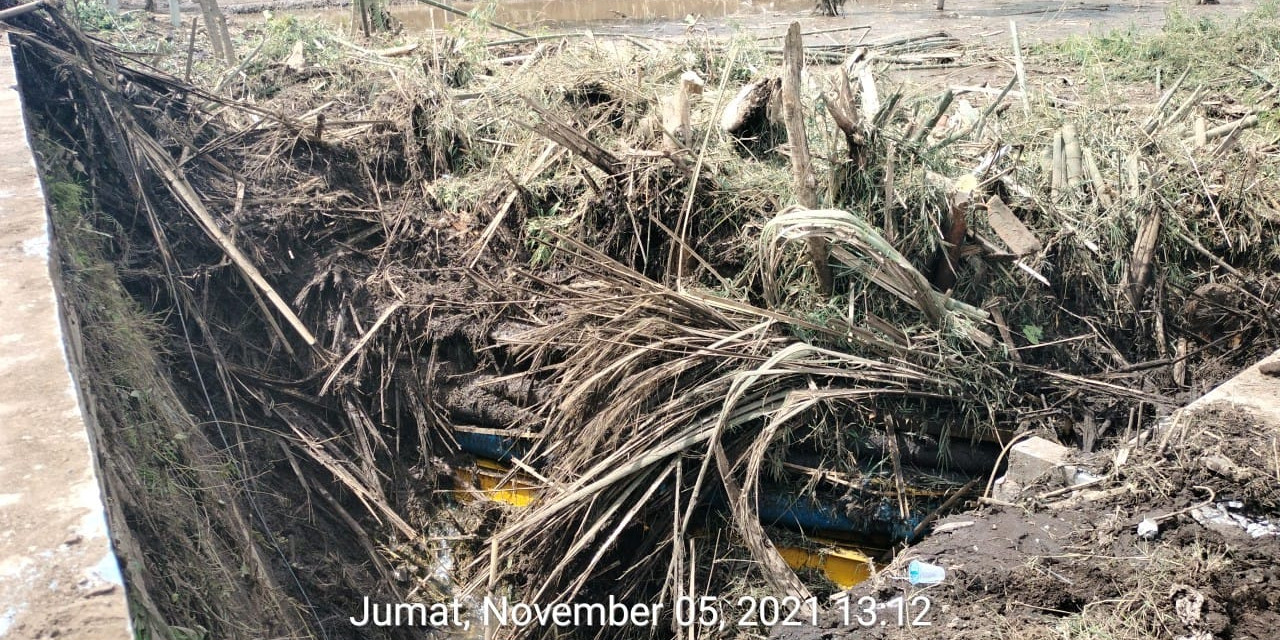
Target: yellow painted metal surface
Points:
(843, 566)
(494, 481)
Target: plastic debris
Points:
(1148, 529)
(925, 573)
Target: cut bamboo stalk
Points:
(1187, 105)
(801, 164)
(1101, 190)
(869, 93)
(1018, 68)
(191, 50)
(1059, 181)
(1227, 143)
(1133, 170)
(1246, 122)
(1144, 250)
(1074, 158)
(675, 120)
(537, 54)
(23, 9)
(1201, 132)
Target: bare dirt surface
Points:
(1073, 565)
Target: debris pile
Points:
(697, 290)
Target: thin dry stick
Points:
(942, 508)
(986, 493)
(191, 49)
(890, 162)
(680, 237)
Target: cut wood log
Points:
(1015, 235)
(801, 163)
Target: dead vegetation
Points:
(361, 258)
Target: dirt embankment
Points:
(1072, 564)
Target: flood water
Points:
(973, 19)
(575, 12)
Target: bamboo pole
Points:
(1227, 129)
(801, 163)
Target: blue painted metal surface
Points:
(781, 509)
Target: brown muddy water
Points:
(1037, 20)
